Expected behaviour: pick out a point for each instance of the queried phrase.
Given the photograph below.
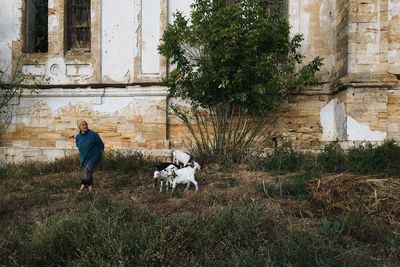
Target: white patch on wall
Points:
(360, 132)
(56, 71)
(392, 54)
(52, 22)
(150, 60)
(111, 105)
(337, 126)
(178, 5)
(304, 26)
(393, 6)
(394, 46)
(79, 69)
(333, 121)
(35, 69)
(6, 36)
(118, 40)
(16, 19)
(51, 4)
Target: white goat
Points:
(182, 176)
(164, 176)
(179, 157)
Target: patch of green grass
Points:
(283, 160)
(369, 159)
(292, 186)
(106, 234)
(33, 168)
(383, 159)
(126, 162)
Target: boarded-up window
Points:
(78, 25)
(36, 26)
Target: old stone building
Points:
(98, 60)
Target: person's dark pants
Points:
(87, 178)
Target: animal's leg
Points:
(196, 185)
(173, 187)
(187, 186)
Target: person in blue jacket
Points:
(90, 148)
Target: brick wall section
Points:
(367, 36)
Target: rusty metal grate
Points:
(78, 25)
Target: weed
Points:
(369, 159)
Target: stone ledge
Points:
(129, 91)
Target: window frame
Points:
(27, 46)
(69, 27)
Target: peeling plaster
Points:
(113, 105)
(6, 37)
(360, 132)
(333, 121)
(337, 126)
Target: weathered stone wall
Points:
(125, 118)
(124, 40)
(358, 100)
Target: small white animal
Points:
(164, 176)
(195, 165)
(182, 176)
(180, 158)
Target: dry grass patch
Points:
(344, 193)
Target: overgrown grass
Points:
(128, 223)
(244, 235)
(33, 168)
(381, 160)
(127, 162)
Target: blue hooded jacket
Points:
(90, 147)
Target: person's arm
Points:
(76, 139)
(99, 141)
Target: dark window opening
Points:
(78, 25)
(36, 26)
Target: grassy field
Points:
(288, 209)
